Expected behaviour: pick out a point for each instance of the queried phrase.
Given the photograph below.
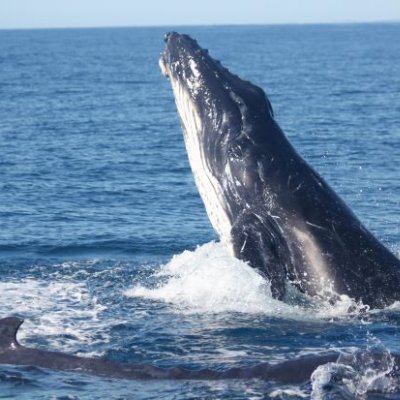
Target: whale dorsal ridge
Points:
(8, 332)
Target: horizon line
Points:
(348, 22)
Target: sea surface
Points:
(105, 246)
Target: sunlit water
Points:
(105, 247)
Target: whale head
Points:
(217, 109)
(223, 105)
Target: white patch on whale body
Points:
(312, 253)
(195, 70)
(163, 67)
(209, 188)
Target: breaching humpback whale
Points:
(262, 198)
(293, 371)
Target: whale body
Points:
(294, 371)
(13, 353)
(267, 204)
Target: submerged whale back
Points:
(292, 371)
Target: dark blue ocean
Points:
(105, 246)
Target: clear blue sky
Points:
(88, 13)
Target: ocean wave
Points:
(135, 246)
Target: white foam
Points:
(357, 372)
(296, 393)
(209, 279)
(352, 383)
(52, 309)
(395, 306)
